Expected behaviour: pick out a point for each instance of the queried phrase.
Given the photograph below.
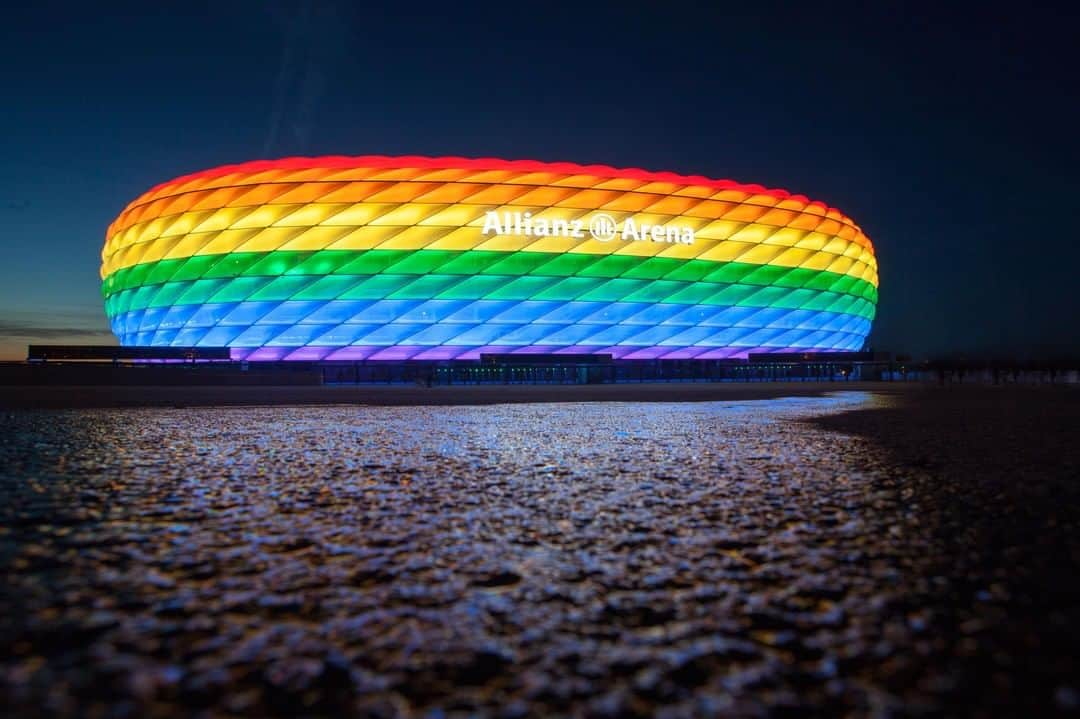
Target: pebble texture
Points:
(806, 556)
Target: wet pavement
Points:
(859, 553)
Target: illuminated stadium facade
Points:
(414, 258)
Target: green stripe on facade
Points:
(283, 264)
(490, 287)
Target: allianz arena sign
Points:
(599, 226)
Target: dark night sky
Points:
(948, 134)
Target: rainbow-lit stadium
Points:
(417, 258)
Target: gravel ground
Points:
(860, 553)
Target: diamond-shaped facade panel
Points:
(443, 258)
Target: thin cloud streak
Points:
(53, 325)
(15, 330)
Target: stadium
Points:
(417, 258)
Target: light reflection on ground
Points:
(535, 559)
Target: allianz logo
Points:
(600, 227)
